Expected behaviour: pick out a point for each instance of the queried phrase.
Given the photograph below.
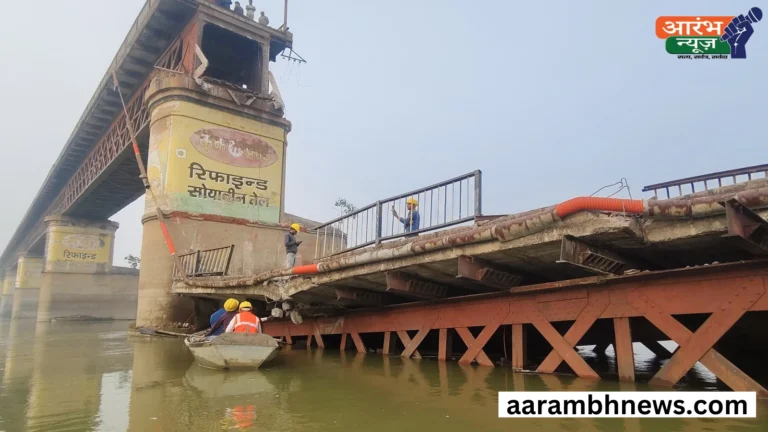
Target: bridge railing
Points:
(209, 262)
(723, 178)
(440, 205)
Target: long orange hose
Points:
(305, 269)
(574, 205)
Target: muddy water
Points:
(97, 377)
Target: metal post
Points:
(478, 193)
(378, 222)
(317, 242)
(285, 15)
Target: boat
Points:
(233, 350)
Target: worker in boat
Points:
(291, 245)
(245, 321)
(224, 318)
(411, 220)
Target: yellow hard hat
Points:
(231, 305)
(413, 201)
(296, 226)
(245, 304)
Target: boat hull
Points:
(234, 351)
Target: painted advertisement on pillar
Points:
(79, 247)
(224, 165)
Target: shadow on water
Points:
(76, 377)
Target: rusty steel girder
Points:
(402, 284)
(746, 228)
(475, 269)
(361, 297)
(592, 258)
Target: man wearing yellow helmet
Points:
(411, 220)
(245, 321)
(223, 317)
(291, 245)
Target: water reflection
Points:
(75, 377)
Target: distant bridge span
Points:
(95, 176)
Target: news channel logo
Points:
(708, 37)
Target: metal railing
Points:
(735, 176)
(210, 262)
(440, 205)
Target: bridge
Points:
(195, 46)
(191, 88)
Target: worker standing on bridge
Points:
(245, 321)
(238, 8)
(224, 3)
(411, 220)
(291, 246)
(250, 10)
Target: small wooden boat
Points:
(233, 350)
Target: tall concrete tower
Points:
(217, 154)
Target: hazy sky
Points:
(550, 100)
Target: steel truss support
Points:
(726, 292)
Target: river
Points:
(71, 376)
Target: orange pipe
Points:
(574, 205)
(305, 269)
(167, 236)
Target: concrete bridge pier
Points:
(6, 297)
(217, 169)
(27, 286)
(78, 279)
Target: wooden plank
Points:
(358, 342)
(563, 348)
(445, 344)
(625, 356)
(481, 358)
(726, 371)
(707, 335)
(519, 345)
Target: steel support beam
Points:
(402, 284)
(519, 347)
(625, 355)
(746, 228)
(478, 270)
(592, 258)
(361, 297)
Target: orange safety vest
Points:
(246, 322)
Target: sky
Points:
(550, 101)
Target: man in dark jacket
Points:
(291, 246)
(230, 310)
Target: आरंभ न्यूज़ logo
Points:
(708, 37)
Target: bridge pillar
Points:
(6, 299)
(217, 169)
(27, 286)
(78, 279)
